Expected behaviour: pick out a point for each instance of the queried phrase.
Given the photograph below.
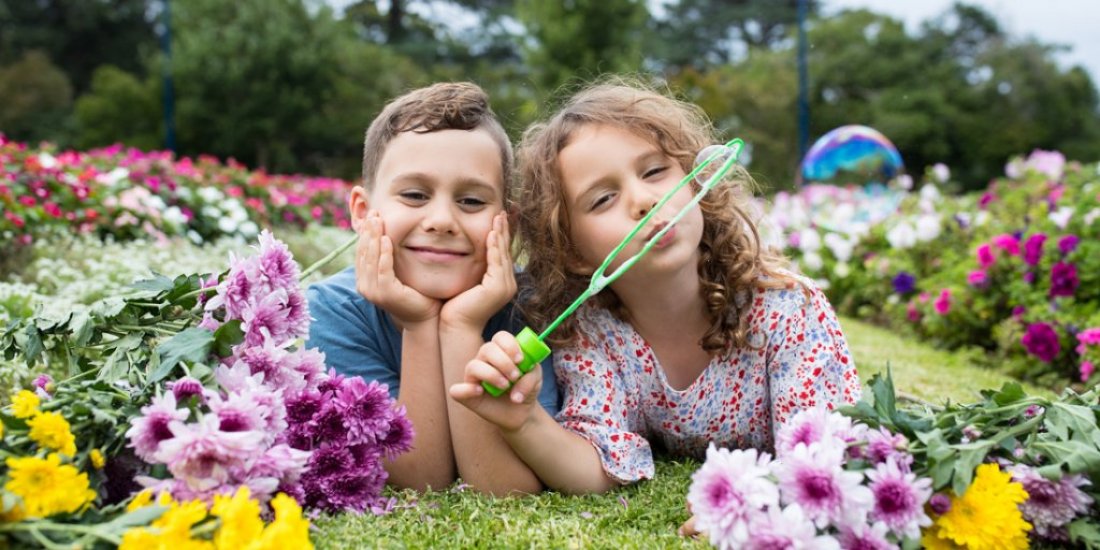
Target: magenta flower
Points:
(1063, 279)
(278, 316)
(1041, 340)
(366, 409)
(1089, 336)
(150, 429)
(398, 438)
(1048, 163)
(1008, 243)
(899, 499)
(1087, 369)
(861, 536)
(187, 387)
(1068, 244)
(276, 263)
(985, 256)
(942, 304)
(977, 278)
(727, 491)
(814, 425)
(784, 528)
(815, 479)
(1051, 504)
(883, 445)
(1033, 249)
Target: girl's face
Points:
(611, 178)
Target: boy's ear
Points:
(358, 206)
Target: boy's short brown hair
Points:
(442, 106)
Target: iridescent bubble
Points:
(853, 148)
(720, 154)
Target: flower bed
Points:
(1014, 270)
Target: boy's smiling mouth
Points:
(437, 254)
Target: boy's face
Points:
(437, 194)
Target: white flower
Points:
(841, 270)
(110, 179)
(823, 284)
(249, 229)
(841, 247)
(930, 192)
(211, 212)
(155, 202)
(174, 216)
(47, 160)
(210, 194)
(981, 218)
(1091, 216)
(227, 225)
(1061, 216)
(194, 236)
(809, 240)
(904, 181)
(941, 172)
(901, 236)
(812, 261)
(928, 228)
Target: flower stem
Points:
(331, 256)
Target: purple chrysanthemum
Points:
(331, 460)
(276, 263)
(366, 409)
(940, 504)
(1068, 244)
(861, 536)
(1041, 340)
(815, 479)
(727, 491)
(899, 499)
(301, 408)
(239, 412)
(150, 429)
(330, 425)
(399, 436)
(1051, 504)
(785, 528)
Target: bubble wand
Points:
(534, 346)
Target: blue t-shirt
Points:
(360, 339)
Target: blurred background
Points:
(290, 85)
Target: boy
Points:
(433, 275)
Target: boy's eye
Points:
(472, 202)
(415, 196)
(657, 170)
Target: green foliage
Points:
(35, 98)
(120, 108)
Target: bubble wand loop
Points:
(534, 347)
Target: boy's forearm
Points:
(562, 459)
(483, 458)
(430, 461)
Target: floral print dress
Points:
(616, 395)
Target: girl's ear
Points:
(358, 206)
(577, 266)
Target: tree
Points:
(120, 108)
(35, 99)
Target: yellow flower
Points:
(46, 486)
(241, 523)
(51, 431)
(1, 430)
(16, 514)
(97, 459)
(171, 531)
(290, 529)
(140, 500)
(986, 516)
(25, 404)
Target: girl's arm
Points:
(563, 460)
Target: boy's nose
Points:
(439, 218)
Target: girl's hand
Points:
(473, 308)
(376, 281)
(496, 363)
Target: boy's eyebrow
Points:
(461, 183)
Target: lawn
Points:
(642, 516)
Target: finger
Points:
(501, 361)
(385, 262)
(506, 239)
(528, 385)
(506, 341)
(465, 391)
(688, 528)
(478, 371)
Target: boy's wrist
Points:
(461, 324)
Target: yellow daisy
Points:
(290, 529)
(97, 459)
(240, 519)
(46, 486)
(25, 404)
(51, 430)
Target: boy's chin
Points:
(442, 292)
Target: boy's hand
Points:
(496, 363)
(474, 307)
(377, 282)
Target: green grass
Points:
(642, 516)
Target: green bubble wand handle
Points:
(534, 346)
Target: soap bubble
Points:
(852, 148)
(720, 153)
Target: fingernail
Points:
(502, 383)
(515, 375)
(517, 397)
(518, 357)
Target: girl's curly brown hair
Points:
(731, 261)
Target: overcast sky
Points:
(1074, 23)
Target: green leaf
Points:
(1011, 392)
(1062, 419)
(193, 344)
(117, 364)
(1075, 456)
(108, 307)
(159, 283)
(970, 456)
(883, 391)
(227, 336)
(1084, 532)
(82, 327)
(32, 344)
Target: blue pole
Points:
(169, 96)
(803, 87)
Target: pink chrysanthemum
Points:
(815, 478)
(1051, 504)
(727, 490)
(150, 429)
(860, 536)
(786, 528)
(276, 263)
(883, 444)
(899, 499)
(815, 425)
(201, 455)
(187, 387)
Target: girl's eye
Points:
(654, 172)
(600, 201)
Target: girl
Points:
(706, 339)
